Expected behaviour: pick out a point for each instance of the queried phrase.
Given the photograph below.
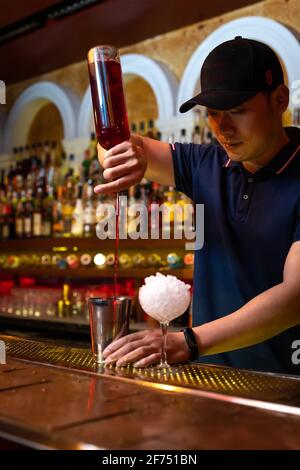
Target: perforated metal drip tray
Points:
(266, 387)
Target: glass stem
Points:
(164, 330)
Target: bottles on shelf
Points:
(72, 258)
(45, 193)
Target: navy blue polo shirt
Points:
(250, 222)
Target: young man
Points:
(246, 304)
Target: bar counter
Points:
(55, 397)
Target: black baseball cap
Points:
(234, 72)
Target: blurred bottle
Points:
(183, 138)
(19, 216)
(196, 136)
(154, 260)
(139, 260)
(89, 215)
(168, 212)
(28, 210)
(64, 304)
(47, 222)
(125, 260)
(174, 260)
(58, 224)
(77, 216)
(68, 206)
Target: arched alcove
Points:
(47, 125)
(277, 36)
(157, 75)
(28, 105)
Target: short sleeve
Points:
(183, 168)
(195, 165)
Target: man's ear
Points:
(280, 98)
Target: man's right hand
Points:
(124, 165)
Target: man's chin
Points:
(235, 152)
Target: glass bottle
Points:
(64, 304)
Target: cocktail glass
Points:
(180, 302)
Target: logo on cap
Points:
(269, 77)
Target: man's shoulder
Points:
(209, 154)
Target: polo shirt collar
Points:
(282, 160)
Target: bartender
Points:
(246, 304)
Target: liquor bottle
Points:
(108, 98)
(95, 171)
(174, 260)
(86, 165)
(139, 260)
(183, 138)
(37, 214)
(196, 136)
(168, 212)
(206, 132)
(183, 213)
(47, 213)
(142, 128)
(89, 215)
(68, 206)
(156, 200)
(77, 216)
(28, 207)
(57, 215)
(64, 304)
(125, 260)
(131, 225)
(151, 131)
(56, 159)
(19, 217)
(8, 228)
(154, 260)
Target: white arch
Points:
(162, 81)
(29, 103)
(262, 29)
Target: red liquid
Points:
(110, 115)
(116, 247)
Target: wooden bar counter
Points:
(53, 397)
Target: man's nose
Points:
(225, 124)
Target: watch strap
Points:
(192, 343)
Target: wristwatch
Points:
(192, 343)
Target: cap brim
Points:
(218, 99)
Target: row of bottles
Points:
(47, 195)
(126, 259)
(74, 210)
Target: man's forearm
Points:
(263, 317)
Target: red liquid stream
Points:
(111, 121)
(117, 208)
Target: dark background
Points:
(37, 36)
